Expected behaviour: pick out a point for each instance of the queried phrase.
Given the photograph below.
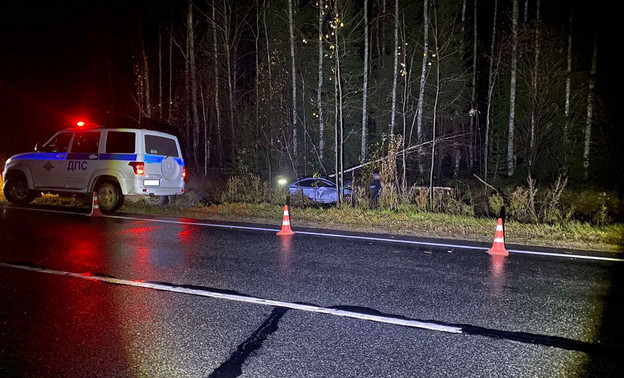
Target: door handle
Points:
(92, 156)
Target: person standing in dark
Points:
(376, 188)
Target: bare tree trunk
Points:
(160, 75)
(146, 73)
(512, 91)
(365, 83)
(228, 60)
(215, 55)
(469, 146)
(170, 108)
(270, 80)
(486, 147)
(534, 85)
(193, 79)
(319, 93)
(473, 96)
(435, 113)
(340, 109)
(568, 91)
(590, 107)
(206, 132)
(257, 79)
(187, 93)
(423, 76)
(293, 74)
(405, 77)
(395, 68)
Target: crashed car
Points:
(318, 189)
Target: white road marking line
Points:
(245, 299)
(355, 237)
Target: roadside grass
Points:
(405, 221)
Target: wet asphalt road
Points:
(522, 316)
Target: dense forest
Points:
(502, 90)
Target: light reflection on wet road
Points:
(522, 315)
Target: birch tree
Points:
(490, 90)
(193, 82)
(474, 111)
(590, 107)
(534, 85)
(568, 91)
(215, 63)
(423, 76)
(512, 90)
(365, 83)
(395, 70)
(293, 74)
(319, 92)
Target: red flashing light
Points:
(80, 123)
(138, 166)
(183, 172)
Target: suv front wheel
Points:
(16, 191)
(109, 196)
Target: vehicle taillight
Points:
(138, 166)
(183, 172)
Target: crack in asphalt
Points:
(233, 366)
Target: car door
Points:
(82, 159)
(326, 191)
(48, 163)
(306, 186)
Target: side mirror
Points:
(36, 147)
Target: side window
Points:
(306, 183)
(59, 143)
(157, 145)
(86, 142)
(120, 142)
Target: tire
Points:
(16, 191)
(109, 196)
(157, 200)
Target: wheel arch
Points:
(20, 170)
(103, 178)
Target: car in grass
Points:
(318, 189)
(114, 162)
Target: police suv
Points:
(114, 162)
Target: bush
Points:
(247, 189)
(593, 206)
(519, 207)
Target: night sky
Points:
(59, 58)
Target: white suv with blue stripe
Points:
(114, 162)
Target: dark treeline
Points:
(504, 89)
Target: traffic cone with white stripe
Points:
(95, 207)
(498, 248)
(286, 230)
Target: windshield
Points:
(58, 143)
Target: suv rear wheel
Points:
(109, 196)
(16, 191)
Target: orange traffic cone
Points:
(286, 230)
(498, 248)
(95, 207)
